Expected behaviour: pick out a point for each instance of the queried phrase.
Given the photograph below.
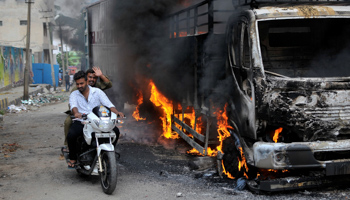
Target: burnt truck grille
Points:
(341, 113)
(332, 155)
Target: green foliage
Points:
(2, 112)
(73, 58)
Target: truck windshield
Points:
(306, 47)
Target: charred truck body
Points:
(290, 101)
(285, 68)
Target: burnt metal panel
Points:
(189, 129)
(189, 140)
(337, 168)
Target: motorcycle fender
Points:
(105, 147)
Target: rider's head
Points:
(80, 81)
(91, 77)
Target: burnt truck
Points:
(289, 105)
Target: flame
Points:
(277, 132)
(167, 106)
(136, 113)
(192, 117)
(271, 173)
(225, 172)
(185, 34)
(242, 163)
(222, 126)
(160, 100)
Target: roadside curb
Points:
(4, 103)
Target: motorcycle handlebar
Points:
(83, 116)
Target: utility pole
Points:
(28, 60)
(67, 56)
(62, 58)
(50, 52)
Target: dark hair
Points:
(80, 74)
(90, 71)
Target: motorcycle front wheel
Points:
(108, 175)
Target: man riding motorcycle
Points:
(82, 101)
(92, 76)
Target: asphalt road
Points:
(149, 168)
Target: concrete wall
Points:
(12, 63)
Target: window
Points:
(0, 23)
(23, 22)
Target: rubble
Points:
(179, 194)
(37, 100)
(201, 163)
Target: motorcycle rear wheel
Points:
(108, 176)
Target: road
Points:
(31, 166)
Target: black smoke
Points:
(147, 53)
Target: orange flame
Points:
(225, 172)
(160, 100)
(192, 117)
(136, 113)
(243, 162)
(277, 132)
(222, 124)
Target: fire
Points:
(136, 113)
(271, 173)
(243, 162)
(160, 100)
(192, 117)
(184, 34)
(225, 172)
(223, 133)
(222, 124)
(277, 132)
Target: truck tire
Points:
(108, 175)
(230, 158)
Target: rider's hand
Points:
(121, 114)
(78, 115)
(97, 71)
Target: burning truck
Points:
(282, 116)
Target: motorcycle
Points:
(95, 151)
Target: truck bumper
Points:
(303, 155)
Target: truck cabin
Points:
(314, 47)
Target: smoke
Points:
(72, 8)
(146, 53)
(70, 23)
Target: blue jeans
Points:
(67, 86)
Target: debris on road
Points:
(37, 101)
(179, 194)
(9, 148)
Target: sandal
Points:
(71, 165)
(65, 150)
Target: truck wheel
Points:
(108, 175)
(230, 158)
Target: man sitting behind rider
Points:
(92, 76)
(83, 101)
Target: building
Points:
(13, 26)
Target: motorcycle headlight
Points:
(104, 124)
